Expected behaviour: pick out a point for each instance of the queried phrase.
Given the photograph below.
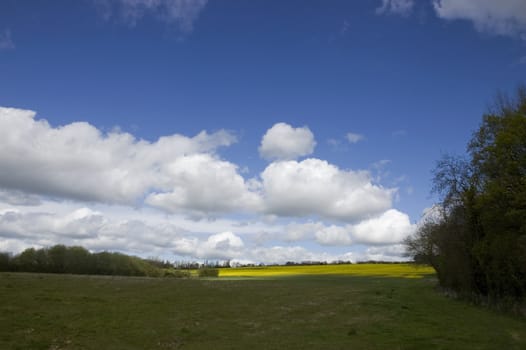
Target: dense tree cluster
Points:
(477, 242)
(78, 260)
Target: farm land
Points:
(376, 306)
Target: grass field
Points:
(341, 310)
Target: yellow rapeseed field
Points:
(385, 270)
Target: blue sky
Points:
(358, 100)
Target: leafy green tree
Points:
(57, 258)
(77, 260)
(27, 261)
(478, 245)
(5, 261)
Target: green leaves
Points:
(479, 244)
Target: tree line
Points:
(476, 241)
(78, 260)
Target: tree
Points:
(57, 258)
(77, 260)
(27, 261)
(478, 244)
(5, 261)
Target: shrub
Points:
(172, 273)
(208, 272)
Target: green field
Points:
(348, 307)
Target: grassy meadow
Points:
(291, 307)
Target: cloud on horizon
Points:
(138, 235)
(77, 167)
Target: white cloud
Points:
(390, 227)
(354, 138)
(176, 173)
(203, 184)
(76, 185)
(398, 7)
(86, 227)
(297, 232)
(315, 187)
(81, 224)
(333, 235)
(77, 161)
(502, 17)
(221, 246)
(182, 13)
(98, 231)
(18, 198)
(283, 142)
(149, 234)
(6, 42)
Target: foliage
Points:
(4, 261)
(208, 272)
(78, 260)
(176, 273)
(478, 243)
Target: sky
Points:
(251, 131)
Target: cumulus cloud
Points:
(503, 17)
(296, 232)
(315, 187)
(86, 227)
(390, 227)
(220, 246)
(203, 184)
(78, 161)
(6, 42)
(225, 245)
(283, 142)
(97, 231)
(81, 223)
(354, 138)
(398, 7)
(333, 235)
(387, 228)
(136, 232)
(182, 13)
(55, 180)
